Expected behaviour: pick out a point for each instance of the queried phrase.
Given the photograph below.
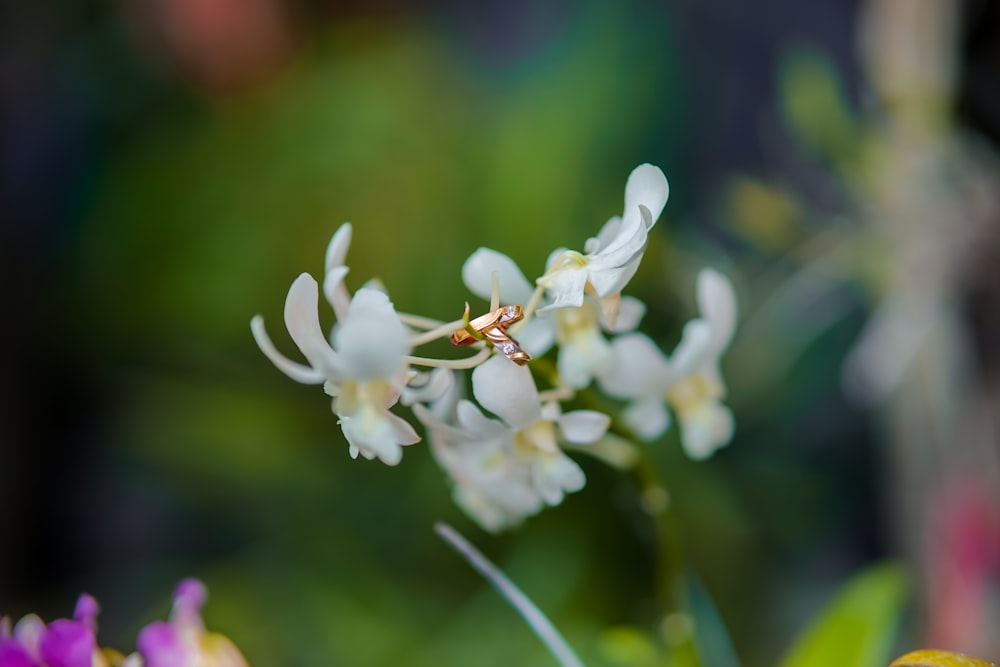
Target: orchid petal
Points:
(583, 426)
(336, 291)
(537, 336)
(372, 341)
(608, 233)
(405, 433)
(556, 477)
(694, 351)
(638, 369)
(477, 274)
(302, 321)
(565, 286)
(68, 644)
(624, 249)
(336, 252)
(707, 429)
(646, 186)
(161, 645)
(476, 423)
(428, 387)
(28, 632)
(373, 434)
(717, 302)
(293, 369)
(507, 390)
(12, 654)
(630, 313)
(333, 282)
(648, 418)
(585, 355)
(437, 427)
(86, 611)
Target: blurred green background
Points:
(170, 166)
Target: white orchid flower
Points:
(584, 352)
(508, 468)
(612, 257)
(689, 381)
(364, 369)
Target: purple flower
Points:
(63, 643)
(179, 642)
(182, 640)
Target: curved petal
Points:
(707, 429)
(476, 423)
(565, 286)
(609, 281)
(372, 341)
(302, 320)
(694, 351)
(405, 433)
(626, 246)
(646, 186)
(336, 252)
(372, 433)
(613, 267)
(630, 313)
(477, 274)
(638, 368)
(582, 427)
(336, 269)
(428, 387)
(161, 646)
(648, 418)
(335, 291)
(507, 390)
(717, 302)
(609, 232)
(86, 611)
(584, 356)
(553, 477)
(293, 369)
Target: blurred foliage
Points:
(858, 627)
(198, 458)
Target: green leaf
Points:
(857, 628)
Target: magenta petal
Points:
(86, 611)
(161, 646)
(189, 597)
(12, 654)
(68, 644)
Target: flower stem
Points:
(536, 298)
(532, 615)
(440, 332)
(454, 364)
(557, 394)
(669, 559)
(419, 321)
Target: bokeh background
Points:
(167, 167)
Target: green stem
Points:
(676, 628)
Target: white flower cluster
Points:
(512, 464)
